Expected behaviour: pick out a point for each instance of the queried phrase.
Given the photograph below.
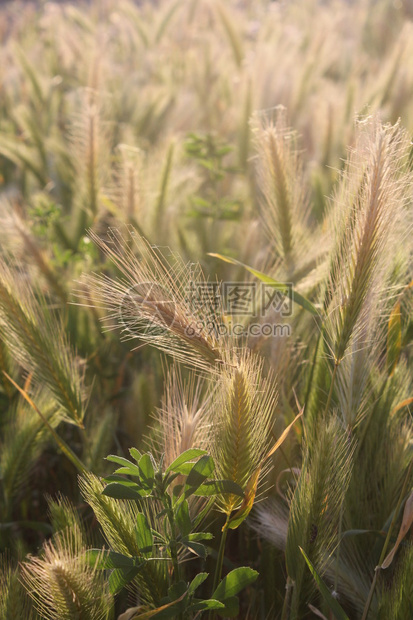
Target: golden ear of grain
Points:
(90, 154)
(243, 414)
(63, 584)
(37, 341)
(155, 301)
(372, 197)
(184, 419)
(284, 205)
(316, 503)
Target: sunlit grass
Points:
(150, 150)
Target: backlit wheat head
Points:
(243, 416)
(372, 198)
(155, 301)
(62, 583)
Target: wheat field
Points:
(206, 310)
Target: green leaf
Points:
(135, 454)
(183, 519)
(119, 578)
(206, 604)
(147, 474)
(199, 473)
(177, 490)
(124, 481)
(203, 513)
(125, 471)
(184, 469)
(200, 536)
(143, 532)
(186, 456)
(118, 490)
(279, 286)
(132, 469)
(329, 599)
(219, 487)
(112, 559)
(234, 582)
(196, 582)
(158, 536)
(198, 548)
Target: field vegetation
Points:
(164, 454)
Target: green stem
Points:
(172, 542)
(330, 393)
(340, 523)
(220, 561)
(386, 544)
(67, 451)
(221, 552)
(285, 614)
(313, 365)
(340, 531)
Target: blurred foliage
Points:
(208, 127)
